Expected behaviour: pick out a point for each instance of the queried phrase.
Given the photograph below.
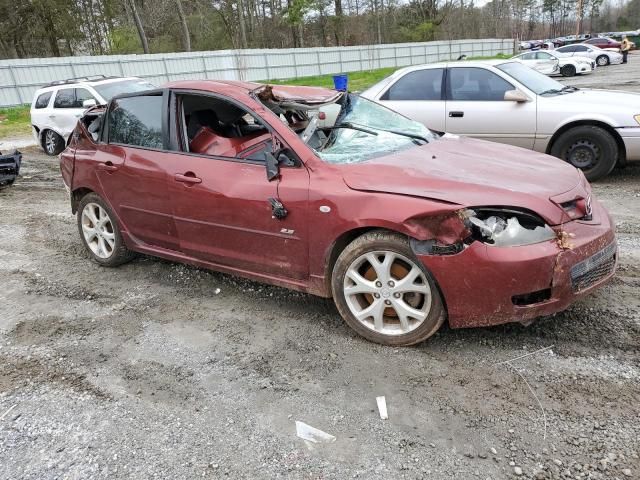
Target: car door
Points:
(546, 63)
(226, 211)
(131, 164)
(419, 95)
(476, 107)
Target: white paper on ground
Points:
(382, 407)
(311, 434)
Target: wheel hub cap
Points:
(387, 292)
(583, 154)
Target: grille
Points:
(593, 269)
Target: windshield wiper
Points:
(404, 134)
(570, 88)
(354, 127)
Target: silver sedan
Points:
(507, 102)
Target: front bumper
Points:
(485, 285)
(9, 167)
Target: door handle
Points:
(108, 166)
(188, 177)
(52, 116)
(456, 114)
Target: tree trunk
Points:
(339, 33)
(185, 27)
(139, 27)
(243, 27)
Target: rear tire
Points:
(384, 292)
(602, 61)
(568, 71)
(100, 233)
(52, 143)
(589, 148)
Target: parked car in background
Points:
(506, 102)
(549, 62)
(601, 57)
(57, 107)
(603, 42)
(417, 227)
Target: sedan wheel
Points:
(589, 148)
(602, 60)
(384, 292)
(99, 232)
(53, 143)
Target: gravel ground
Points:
(144, 371)
(616, 77)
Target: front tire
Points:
(100, 233)
(384, 292)
(589, 148)
(602, 60)
(52, 143)
(568, 71)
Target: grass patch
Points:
(358, 81)
(15, 121)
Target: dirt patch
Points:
(161, 370)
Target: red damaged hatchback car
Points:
(332, 194)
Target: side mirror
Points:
(273, 170)
(91, 102)
(515, 96)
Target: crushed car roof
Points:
(292, 93)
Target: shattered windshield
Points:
(366, 130)
(111, 89)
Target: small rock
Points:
(517, 471)
(493, 451)
(626, 472)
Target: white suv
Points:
(56, 107)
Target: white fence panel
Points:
(19, 79)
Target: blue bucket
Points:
(341, 82)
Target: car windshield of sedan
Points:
(364, 130)
(535, 81)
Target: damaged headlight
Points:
(507, 228)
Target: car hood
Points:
(608, 99)
(470, 173)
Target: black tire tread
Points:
(609, 160)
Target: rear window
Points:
(137, 121)
(418, 85)
(43, 100)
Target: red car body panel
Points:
(215, 214)
(603, 43)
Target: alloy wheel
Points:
(602, 61)
(387, 292)
(50, 141)
(97, 229)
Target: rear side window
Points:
(418, 85)
(477, 84)
(580, 48)
(43, 100)
(65, 98)
(136, 121)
